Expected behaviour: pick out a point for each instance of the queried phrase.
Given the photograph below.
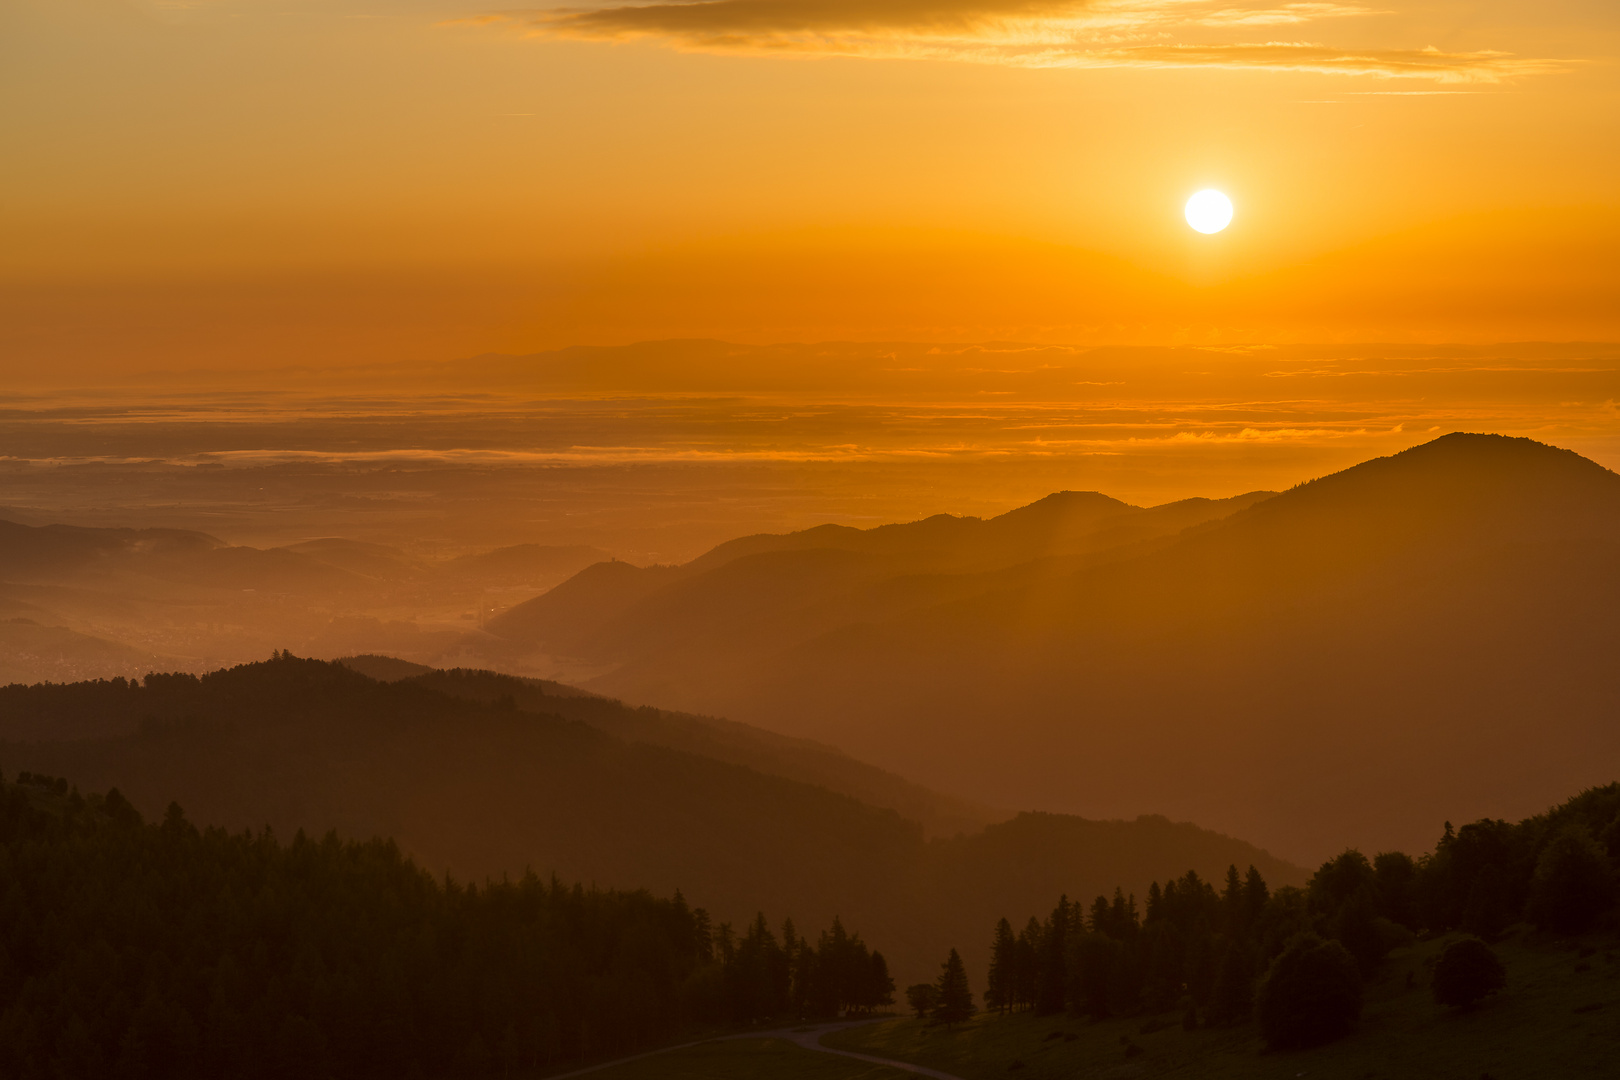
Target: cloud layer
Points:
(1026, 33)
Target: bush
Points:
(1310, 995)
(1467, 971)
(1573, 883)
(922, 997)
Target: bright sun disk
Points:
(1209, 211)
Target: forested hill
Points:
(725, 740)
(139, 951)
(486, 788)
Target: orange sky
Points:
(225, 182)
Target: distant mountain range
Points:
(758, 594)
(482, 774)
(1419, 635)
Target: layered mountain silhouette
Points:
(1417, 636)
(760, 592)
(483, 775)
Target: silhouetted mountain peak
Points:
(1488, 486)
(1067, 503)
(1464, 457)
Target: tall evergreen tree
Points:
(1027, 975)
(1234, 911)
(1099, 921)
(998, 990)
(1255, 896)
(1053, 980)
(881, 990)
(1155, 903)
(954, 1003)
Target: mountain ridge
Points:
(1455, 602)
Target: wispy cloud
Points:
(1022, 33)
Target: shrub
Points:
(922, 997)
(1310, 995)
(1467, 971)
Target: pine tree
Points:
(1233, 910)
(1099, 921)
(1028, 968)
(1053, 981)
(1123, 914)
(804, 981)
(955, 1002)
(1255, 896)
(882, 985)
(998, 990)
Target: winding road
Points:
(807, 1037)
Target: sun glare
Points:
(1209, 211)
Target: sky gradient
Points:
(228, 183)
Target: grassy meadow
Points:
(1559, 1017)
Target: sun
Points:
(1209, 211)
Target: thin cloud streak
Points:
(1022, 33)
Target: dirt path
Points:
(807, 1037)
(810, 1039)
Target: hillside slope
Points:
(485, 789)
(723, 740)
(1420, 635)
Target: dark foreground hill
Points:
(706, 736)
(490, 788)
(1423, 635)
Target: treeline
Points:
(140, 950)
(756, 977)
(1218, 954)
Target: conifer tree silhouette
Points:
(998, 989)
(955, 1002)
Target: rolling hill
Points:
(485, 788)
(1419, 636)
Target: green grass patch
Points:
(749, 1059)
(1559, 1017)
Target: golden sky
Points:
(225, 182)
